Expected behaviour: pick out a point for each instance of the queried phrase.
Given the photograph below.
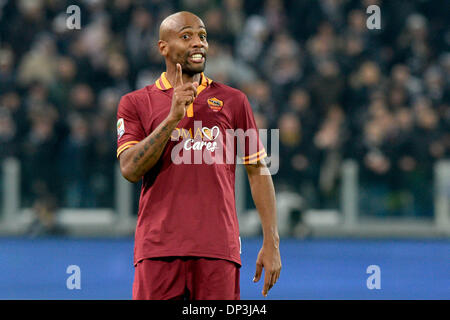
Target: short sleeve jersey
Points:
(187, 201)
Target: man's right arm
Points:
(140, 158)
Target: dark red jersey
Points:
(187, 202)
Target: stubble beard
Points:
(192, 70)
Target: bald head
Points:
(182, 39)
(176, 22)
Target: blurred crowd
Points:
(334, 88)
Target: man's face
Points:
(186, 44)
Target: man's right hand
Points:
(183, 95)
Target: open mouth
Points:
(197, 58)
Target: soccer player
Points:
(187, 243)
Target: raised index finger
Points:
(178, 76)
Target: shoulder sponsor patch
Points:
(120, 128)
(215, 104)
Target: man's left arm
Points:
(263, 194)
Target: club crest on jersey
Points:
(120, 128)
(215, 104)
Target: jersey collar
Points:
(163, 84)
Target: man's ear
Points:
(163, 48)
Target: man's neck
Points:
(170, 75)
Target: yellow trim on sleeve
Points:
(260, 157)
(119, 152)
(253, 155)
(125, 146)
